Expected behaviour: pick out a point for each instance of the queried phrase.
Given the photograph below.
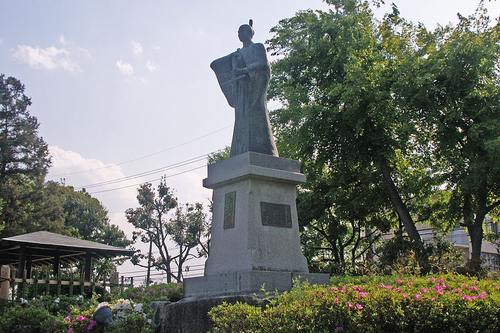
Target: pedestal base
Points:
(239, 283)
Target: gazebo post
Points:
(22, 262)
(88, 265)
(56, 265)
(28, 267)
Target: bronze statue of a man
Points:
(244, 78)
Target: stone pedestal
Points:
(255, 235)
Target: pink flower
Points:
(339, 329)
(164, 290)
(408, 283)
(336, 299)
(70, 330)
(433, 299)
(66, 319)
(405, 296)
(473, 288)
(359, 306)
(92, 324)
(417, 296)
(349, 304)
(151, 291)
(481, 297)
(80, 318)
(399, 281)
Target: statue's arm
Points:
(259, 61)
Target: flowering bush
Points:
(448, 303)
(79, 321)
(74, 314)
(158, 292)
(23, 318)
(127, 315)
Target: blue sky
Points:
(116, 81)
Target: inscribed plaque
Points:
(276, 215)
(229, 209)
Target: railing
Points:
(12, 287)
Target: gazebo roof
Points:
(43, 246)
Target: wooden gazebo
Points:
(44, 248)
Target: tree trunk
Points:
(476, 230)
(399, 205)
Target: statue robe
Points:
(247, 95)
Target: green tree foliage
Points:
(151, 220)
(463, 110)
(22, 152)
(82, 216)
(389, 117)
(341, 80)
(219, 155)
(24, 161)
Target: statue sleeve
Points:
(223, 70)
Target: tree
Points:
(22, 152)
(86, 218)
(342, 80)
(418, 110)
(186, 229)
(219, 155)
(24, 161)
(153, 226)
(463, 108)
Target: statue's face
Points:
(245, 33)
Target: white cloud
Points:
(125, 68)
(1, 41)
(156, 47)
(137, 48)
(150, 66)
(46, 58)
(78, 171)
(62, 40)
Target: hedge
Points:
(447, 303)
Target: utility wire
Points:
(143, 157)
(149, 181)
(145, 173)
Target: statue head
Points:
(246, 32)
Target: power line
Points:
(149, 181)
(145, 173)
(143, 157)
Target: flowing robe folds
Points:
(246, 93)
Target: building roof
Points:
(43, 246)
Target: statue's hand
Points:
(240, 71)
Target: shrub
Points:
(449, 303)
(158, 292)
(238, 317)
(23, 318)
(398, 254)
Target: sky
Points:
(124, 93)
